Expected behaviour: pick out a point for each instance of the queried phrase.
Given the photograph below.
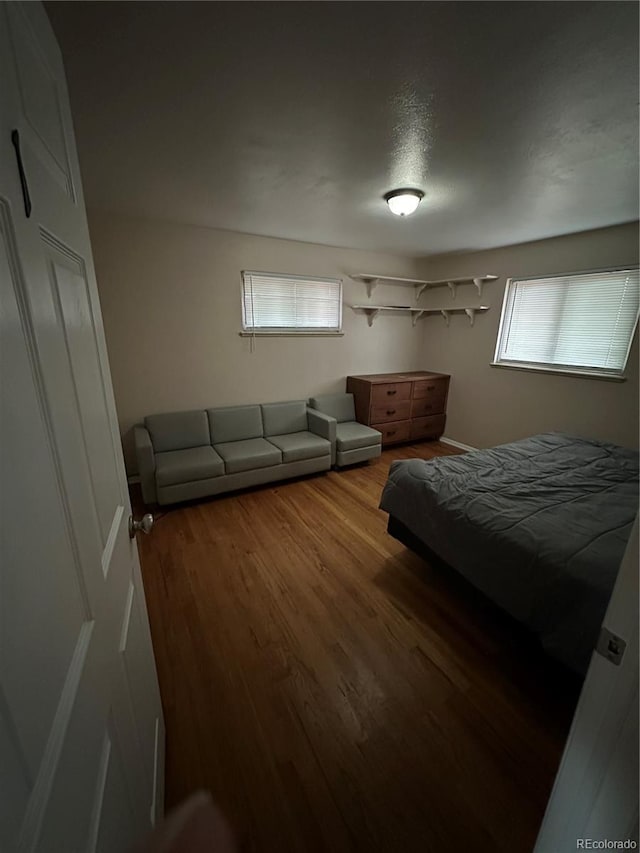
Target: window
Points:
(290, 304)
(571, 323)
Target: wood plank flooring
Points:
(333, 690)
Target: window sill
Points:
(580, 374)
(290, 334)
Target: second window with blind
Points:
(570, 323)
(288, 304)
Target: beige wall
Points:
(489, 405)
(170, 297)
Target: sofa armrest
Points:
(324, 426)
(146, 463)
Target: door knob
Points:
(144, 525)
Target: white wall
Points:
(170, 297)
(489, 405)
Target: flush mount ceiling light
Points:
(403, 202)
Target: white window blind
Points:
(281, 303)
(583, 322)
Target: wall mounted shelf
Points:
(372, 311)
(372, 279)
(470, 312)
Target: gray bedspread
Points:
(539, 525)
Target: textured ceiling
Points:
(518, 120)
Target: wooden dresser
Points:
(404, 406)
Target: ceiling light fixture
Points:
(403, 202)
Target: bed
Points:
(539, 526)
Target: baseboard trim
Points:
(458, 444)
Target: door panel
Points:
(115, 822)
(140, 681)
(40, 99)
(15, 797)
(60, 802)
(70, 293)
(147, 700)
(51, 604)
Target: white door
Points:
(81, 728)
(595, 796)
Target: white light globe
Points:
(404, 202)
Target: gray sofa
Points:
(355, 442)
(186, 455)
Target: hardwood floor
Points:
(334, 691)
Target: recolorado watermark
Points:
(605, 844)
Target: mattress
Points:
(540, 526)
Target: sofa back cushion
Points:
(338, 406)
(178, 430)
(235, 423)
(284, 418)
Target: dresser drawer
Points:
(394, 431)
(390, 392)
(392, 411)
(426, 388)
(427, 406)
(431, 427)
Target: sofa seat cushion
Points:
(301, 445)
(185, 466)
(248, 454)
(352, 435)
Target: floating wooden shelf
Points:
(372, 311)
(371, 280)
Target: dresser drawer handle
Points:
(431, 387)
(391, 393)
(391, 411)
(391, 432)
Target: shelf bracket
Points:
(370, 284)
(447, 316)
(478, 283)
(415, 317)
(471, 314)
(372, 313)
(452, 287)
(420, 289)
